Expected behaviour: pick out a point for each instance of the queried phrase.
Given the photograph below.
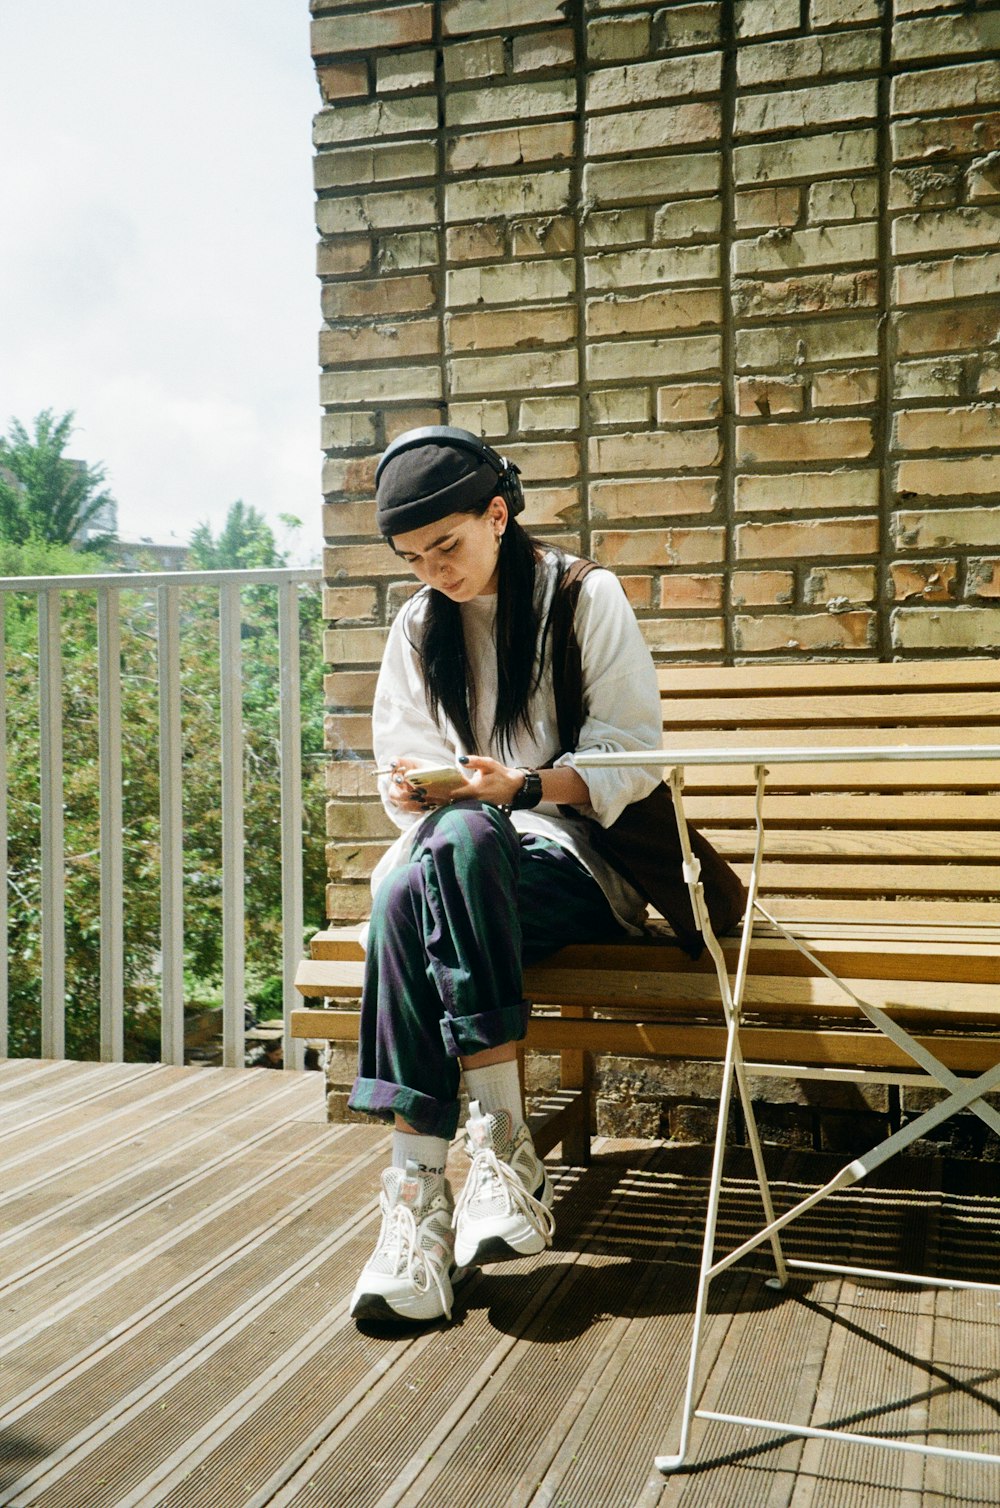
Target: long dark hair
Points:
(519, 658)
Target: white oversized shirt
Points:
(620, 695)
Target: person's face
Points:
(458, 554)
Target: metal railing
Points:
(167, 587)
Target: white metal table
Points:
(960, 1093)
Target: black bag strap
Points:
(567, 662)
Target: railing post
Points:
(290, 734)
(171, 827)
(233, 939)
(109, 701)
(4, 855)
(53, 856)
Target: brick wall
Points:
(722, 278)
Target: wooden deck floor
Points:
(178, 1246)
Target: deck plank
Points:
(178, 1252)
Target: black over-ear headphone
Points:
(508, 475)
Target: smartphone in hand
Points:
(436, 778)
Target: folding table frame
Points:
(960, 1093)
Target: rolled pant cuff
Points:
(465, 1035)
(428, 1116)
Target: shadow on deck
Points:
(178, 1247)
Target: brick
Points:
(474, 243)
(630, 497)
(957, 277)
(545, 459)
(668, 449)
(500, 102)
(806, 440)
(843, 199)
(679, 591)
(839, 389)
(661, 357)
(839, 587)
(344, 255)
(954, 329)
(407, 251)
(670, 125)
(938, 89)
(536, 51)
(360, 31)
(389, 117)
(498, 374)
(688, 220)
(769, 395)
(805, 490)
(761, 588)
(653, 178)
(357, 820)
(948, 478)
(686, 403)
(549, 413)
(618, 39)
(378, 296)
(946, 529)
(801, 109)
(549, 236)
(488, 417)
(614, 227)
(348, 166)
(549, 325)
(348, 602)
(679, 27)
(661, 79)
(376, 211)
(497, 149)
(808, 58)
(684, 635)
(479, 59)
(816, 633)
(662, 310)
(398, 420)
(522, 194)
(943, 377)
(659, 547)
(501, 284)
(761, 18)
(946, 230)
(344, 732)
(352, 777)
(399, 383)
(545, 507)
(670, 264)
(956, 628)
(767, 207)
(342, 520)
(347, 431)
(845, 12)
(638, 590)
(988, 377)
(619, 405)
(948, 428)
(781, 249)
(933, 37)
(460, 16)
(926, 187)
(813, 539)
(415, 337)
(983, 578)
(946, 137)
(356, 474)
(339, 81)
(349, 689)
(811, 343)
(407, 70)
(352, 861)
(930, 580)
(809, 157)
(352, 646)
(820, 293)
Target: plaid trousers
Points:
(450, 931)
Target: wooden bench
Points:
(888, 871)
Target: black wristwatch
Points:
(530, 793)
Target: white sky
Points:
(157, 250)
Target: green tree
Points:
(44, 495)
(245, 543)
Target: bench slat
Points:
(899, 710)
(863, 676)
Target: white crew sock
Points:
(497, 1087)
(430, 1153)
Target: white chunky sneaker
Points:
(504, 1209)
(409, 1274)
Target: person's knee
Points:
(460, 821)
(393, 901)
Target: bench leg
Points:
(576, 1072)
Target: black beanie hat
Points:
(428, 479)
